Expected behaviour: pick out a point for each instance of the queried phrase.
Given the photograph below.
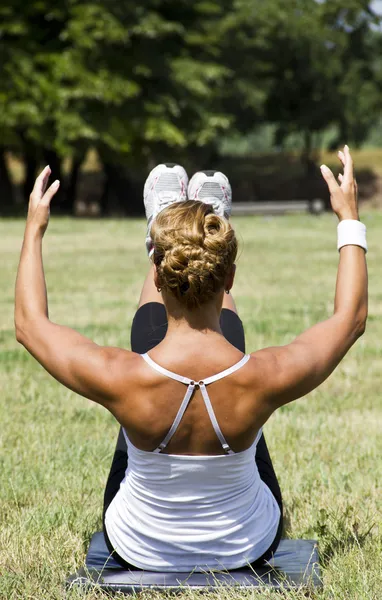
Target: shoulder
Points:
(267, 359)
(257, 372)
(122, 364)
(263, 363)
(125, 372)
(128, 370)
(268, 370)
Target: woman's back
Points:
(153, 399)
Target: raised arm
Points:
(291, 371)
(74, 360)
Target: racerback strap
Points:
(192, 385)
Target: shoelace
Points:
(167, 199)
(216, 205)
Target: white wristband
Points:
(351, 233)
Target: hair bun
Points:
(194, 249)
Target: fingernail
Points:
(324, 168)
(56, 184)
(347, 147)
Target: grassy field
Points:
(56, 447)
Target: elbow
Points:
(20, 334)
(354, 323)
(361, 329)
(27, 330)
(22, 325)
(353, 326)
(360, 325)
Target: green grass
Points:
(56, 447)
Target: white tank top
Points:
(183, 513)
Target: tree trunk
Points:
(105, 200)
(71, 189)
(306, 157)
(130, 196)
(31, 156)
(31, 164)
(6, 189)
(119, 193)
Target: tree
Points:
(127, 79)
(144, 82)
(304, 65)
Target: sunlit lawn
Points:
(56, 447)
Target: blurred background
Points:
(103, 90)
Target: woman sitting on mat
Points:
(191, 484)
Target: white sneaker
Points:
(166, 184)
(212, 187)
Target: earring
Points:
(226, 291)
(159, 290)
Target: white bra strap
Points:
(178, 418)
(258, 436)
(125, 436)
(164, 371)
(190, 390)
(228, 371)
(214, 422)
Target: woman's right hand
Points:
(343, 196)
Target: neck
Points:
(203, 320)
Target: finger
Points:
(341, 156)
(50, 192)
(41, 181)
(348, 170)
(329, 178)
(340, 178)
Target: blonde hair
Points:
(194, 250)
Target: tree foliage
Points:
(138, 81)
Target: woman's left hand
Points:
(39, 201)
